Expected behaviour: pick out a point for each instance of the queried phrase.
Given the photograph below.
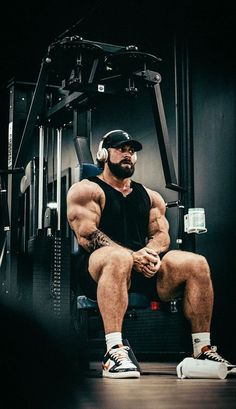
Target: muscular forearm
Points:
(159, 242)
(96, 240)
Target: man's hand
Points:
(146, 261)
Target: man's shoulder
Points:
(84, 186)
(156, 198)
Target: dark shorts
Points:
(86, 285)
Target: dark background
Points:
(27, 28)
(208, 29)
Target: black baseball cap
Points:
(117, 138)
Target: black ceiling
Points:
(28, 28)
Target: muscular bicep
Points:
(84, 203)
(158, 229)
(157, 222)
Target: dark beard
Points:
(119, 171)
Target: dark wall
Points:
(213, 102)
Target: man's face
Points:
(121, 161)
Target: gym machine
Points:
(87, 71)
(74, 74)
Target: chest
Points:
(133, 207)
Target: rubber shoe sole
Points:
(121, 375)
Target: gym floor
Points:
(158, 388)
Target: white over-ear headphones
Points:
(102, 153)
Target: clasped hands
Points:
(146, 261)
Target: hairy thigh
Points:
(176, 268)
(116, 259)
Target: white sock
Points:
(200, 339)
(114, 338)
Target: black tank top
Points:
(125, 219)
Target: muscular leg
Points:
(189, 272)
(111, 269)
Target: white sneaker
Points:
(210, 352)
(118, 364)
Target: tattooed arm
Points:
(98, 239)
(85, 202)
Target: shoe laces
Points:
(120, 354)
(213, 354)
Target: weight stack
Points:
(50, 258)
(60, 282)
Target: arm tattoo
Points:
(96, 240)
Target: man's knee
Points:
(117, 260)
(201, 267)
(120, 258)
(178, 260)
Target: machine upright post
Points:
(41, 172)
(59, 139)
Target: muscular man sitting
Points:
(122, 230)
